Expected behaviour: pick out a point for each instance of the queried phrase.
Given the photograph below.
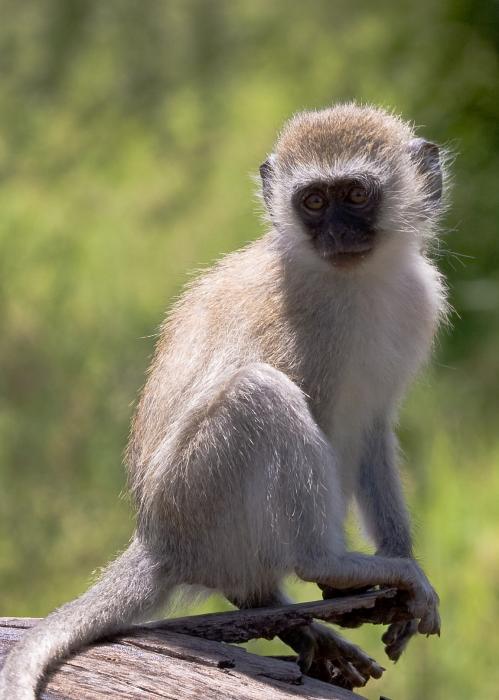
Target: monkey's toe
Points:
(347, 676)
(325, 655)
(347, 664)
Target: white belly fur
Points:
(396, 322)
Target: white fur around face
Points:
(397, 310)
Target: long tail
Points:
(130, 588)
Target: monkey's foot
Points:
(397, 637)
(324, 654)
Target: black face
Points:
(340, 217)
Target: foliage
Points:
(127, 133)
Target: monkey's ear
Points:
(426, 156)
(267, 174)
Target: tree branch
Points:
(377, 607)
(190, 657)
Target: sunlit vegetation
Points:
(128, 134)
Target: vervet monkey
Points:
(271, 399)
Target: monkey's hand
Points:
(397, 636)
(423, 604)
(354, 570)
(324, 654)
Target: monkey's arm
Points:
(379, 495)
(384, 512)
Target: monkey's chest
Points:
(362, 390)
(368, 373)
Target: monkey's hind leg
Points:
(322, 652)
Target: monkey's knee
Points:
(267, 396)
(274, 385)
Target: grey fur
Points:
(379, 494)
(269, 404)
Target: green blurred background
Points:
(128, 133)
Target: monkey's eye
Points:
(358, 195)
(315, 201)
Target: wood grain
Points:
(190, 657)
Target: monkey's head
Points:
(348, 181)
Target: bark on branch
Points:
(190, 657)
(377, 607)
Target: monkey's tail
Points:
(129, 589)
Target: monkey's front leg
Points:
(381, 502)
(322, 652)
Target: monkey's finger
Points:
(364, 663)
(393, 631)
(305, 659)
(375, 669)
(350, 673)
(394, 651)
(368, 667)
(302, 641)
(397, 641)
(430, 622)
(403, 630)
(322, 669)
(339, 680)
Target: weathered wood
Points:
(377, 607)
(189, 657)
(154, 664)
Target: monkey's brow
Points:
(372, 182)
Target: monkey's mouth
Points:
(344, 253)
(348, 258)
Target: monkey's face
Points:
(340, 216)
(351, 185)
